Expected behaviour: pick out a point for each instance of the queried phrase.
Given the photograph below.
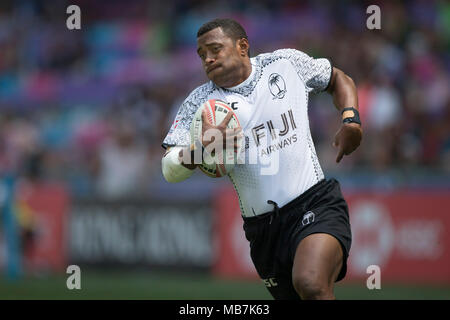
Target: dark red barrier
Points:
(41, 210)
(233, 252)
(405, 233)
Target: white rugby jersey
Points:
(272, 108)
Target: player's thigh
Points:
(318, 259)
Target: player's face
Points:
(222, 57)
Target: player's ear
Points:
(243, 46)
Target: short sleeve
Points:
(315, 73)
(179, 132)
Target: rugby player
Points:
(295, 219)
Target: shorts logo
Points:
(277, 86)
(270, 282)
(308, 218)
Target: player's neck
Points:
(243, 74)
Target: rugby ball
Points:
(218, 163)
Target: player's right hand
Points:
(220, 135)
(347, 139)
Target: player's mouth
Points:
(211, 68)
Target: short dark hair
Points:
(230, 27)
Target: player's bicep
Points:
(330, 87)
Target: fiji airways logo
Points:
(277, 86)
(258, 131)
(280, 139)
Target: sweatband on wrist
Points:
(350, 115)
(173, 170)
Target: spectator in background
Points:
(123, 164)
(132, 52)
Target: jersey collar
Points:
(246, 87)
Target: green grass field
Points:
(174, 286)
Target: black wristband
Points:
(355, 118)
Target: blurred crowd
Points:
(92, 106)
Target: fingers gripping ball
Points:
(221, 159)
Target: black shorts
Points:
(274, 237)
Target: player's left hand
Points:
(347, 139)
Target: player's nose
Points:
(210, 58)
(209, 61)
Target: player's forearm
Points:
(349, 136)
(187, 158)
(343, 90)
(173, 168)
